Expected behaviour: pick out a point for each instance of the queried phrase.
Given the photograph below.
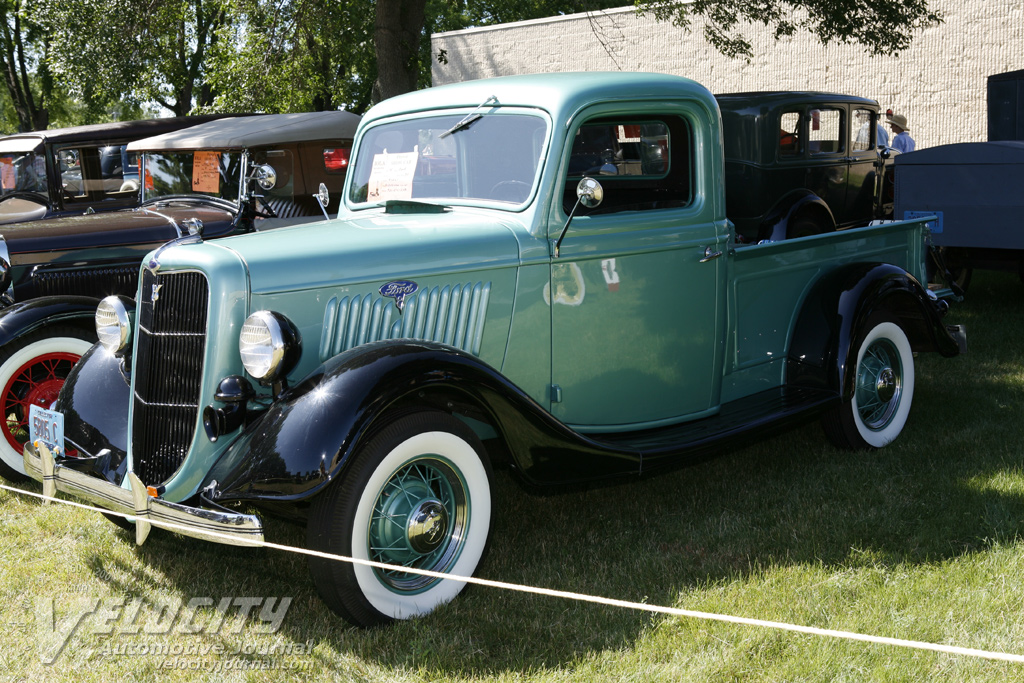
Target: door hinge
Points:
(556, 393)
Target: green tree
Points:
(27, 80)
(295, 55)
(142, 50)
(881, 26)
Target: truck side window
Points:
(643, 164)
(824, 131)
(789, 134)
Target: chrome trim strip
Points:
(246, 530)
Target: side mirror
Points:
(323, 198)
(265, 176)
(589, 193)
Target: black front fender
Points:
(307, 438)
(24, 317)
(838, 307)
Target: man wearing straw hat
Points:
(902, 140)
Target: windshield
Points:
(207, 173)
(491, 157)
(22, 172)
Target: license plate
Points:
(47, 426)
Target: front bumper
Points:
(231, 528)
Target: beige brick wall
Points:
(939, 83)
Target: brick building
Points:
(939, 83)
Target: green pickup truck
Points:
(537, 272)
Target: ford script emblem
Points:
(398, 290)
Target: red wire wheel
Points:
(37, 382)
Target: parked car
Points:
(483, 283)
(55, 271)
(803, 163)
(69, 171)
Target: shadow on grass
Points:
(936, 494)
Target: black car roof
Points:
(117, 129)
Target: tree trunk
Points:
(397, 32)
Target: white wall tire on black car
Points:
(418, 494)
(32, 370)
(884, 378)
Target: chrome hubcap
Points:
(879, 384)
(427, 526)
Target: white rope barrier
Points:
(580, 597)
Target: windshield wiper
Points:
(468, 120)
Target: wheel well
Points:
(469, 408)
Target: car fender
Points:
(24, 317)
(308, 436)
(837, 308)
(776, 223)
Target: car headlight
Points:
(114, 323)
(268, 345)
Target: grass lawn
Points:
(920, 540)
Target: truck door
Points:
(637, 319)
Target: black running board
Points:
(737, 422)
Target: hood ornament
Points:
(399, 290)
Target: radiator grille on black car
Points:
(92, 282)
(168, 372)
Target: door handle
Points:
(710, 254)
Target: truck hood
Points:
(376, 247)
(116, 228)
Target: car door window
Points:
(825, 132)
(642, 164)
(789, 134)
(864, 130)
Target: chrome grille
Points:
(453, 315)
(97, 282)
(168, 371)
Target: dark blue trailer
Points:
(976, 191)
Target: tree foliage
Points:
(77, 61)
(883, 27)
(141, 50)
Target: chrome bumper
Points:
(237, 529)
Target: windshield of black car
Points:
(494, 158)
(23, 172)
(209, 173)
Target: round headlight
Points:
(265, 344)
(113, 324)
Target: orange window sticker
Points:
(206, 172)
(149, 180)
(8, 177)
(391, 176)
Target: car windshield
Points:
(485, 156)
(22, 172)
(208, 173)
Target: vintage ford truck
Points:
(540, 264)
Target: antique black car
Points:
(803, 163)
(224, 177)
(68, 171)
